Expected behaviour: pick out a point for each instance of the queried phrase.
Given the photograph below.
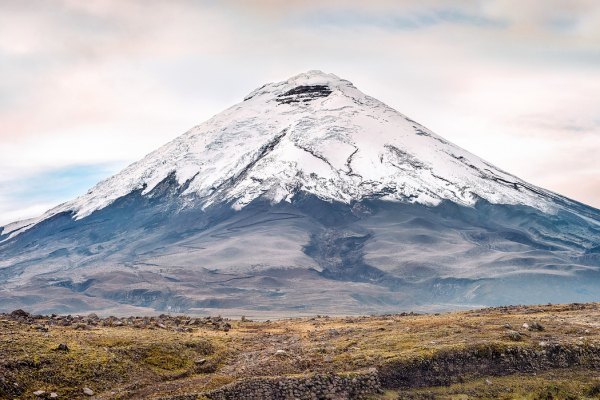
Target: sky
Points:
(87, 87)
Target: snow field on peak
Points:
(315, 133)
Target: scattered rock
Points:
(62, 347)
(536, 326)
(88, 392)
(514, 336)
(20, 314)
(39, 327)
(200, 361)
(53, 395)
(39, 393)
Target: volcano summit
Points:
(308, 197)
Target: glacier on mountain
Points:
(341, 145)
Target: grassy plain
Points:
(164, 356)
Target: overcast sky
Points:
(87, 87)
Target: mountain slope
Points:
(305, 186)
(315, 133)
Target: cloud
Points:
(27, 195)
(354, 18)
(105, 82)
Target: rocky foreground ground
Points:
(538, 352)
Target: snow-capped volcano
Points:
(318, 134)
(312, 136)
